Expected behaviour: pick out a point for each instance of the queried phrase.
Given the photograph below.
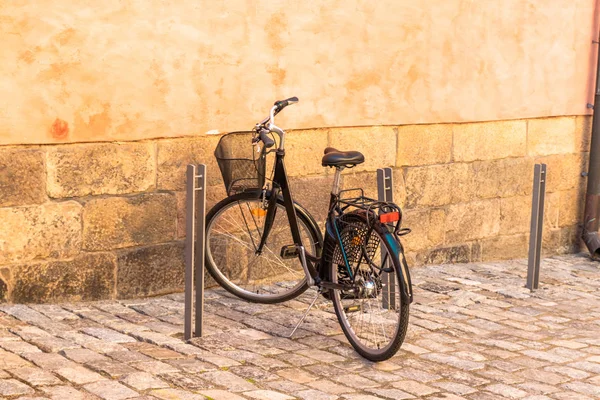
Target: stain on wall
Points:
(59, 129)
(79, 71)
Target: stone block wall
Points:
(107, 220)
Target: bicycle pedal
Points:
(289, 251)
(353, 308)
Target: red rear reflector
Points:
(389, 217)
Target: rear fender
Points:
(405, 281)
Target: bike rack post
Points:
(537, 225)
(385, 192)
(194, 249)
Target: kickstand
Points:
(305, 314)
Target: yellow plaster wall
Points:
(87, 70)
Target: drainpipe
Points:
(591, 221)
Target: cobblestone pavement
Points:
(475, 333)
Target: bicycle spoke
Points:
(253, 219)
(234, 236)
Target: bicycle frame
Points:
(281, 183)
(309, 261)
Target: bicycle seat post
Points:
(335, 190)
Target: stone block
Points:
(5, 280)
(367, 181)
(175, 154)
(551, 243)
(304, 151)
(447, 255)
(427, 228)
(502, 178)
(555, 135)
(35, 376)
(12, 388)
(180, 198)
(413, 259)
(22, 177)
(313, 194)
(583, 132)
(50, 230)
(94, 169)
(551, 210)
(418, 222)
(570, 240)
(476, 251)
(471, 221)
(86, 277)
(10, 361)
(505, 247)
(378, 144)
(3, 291)
(110, 390)
(424, 144)
(515, 215)
(151, 271)
(437, 227)
(118, 222)
(438, 185)
(489, 140)
(214, 194)
(564, 171)
(571, 205)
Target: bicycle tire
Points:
(345, 313)
(278, 291)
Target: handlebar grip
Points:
(265, 138)
(281, 104)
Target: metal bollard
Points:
(537, 225)
(385, 192)
(194, 250)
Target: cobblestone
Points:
(12, 387)
(474, 334)
(108, 335)
(19, 347)
(267, 395)
(143, 381)
(110, 390)
(79, 375)
(9, 360)
(110, 368)
(176, 394)
(35, 376)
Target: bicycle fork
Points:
(269, 219)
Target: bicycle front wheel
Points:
(372, 314)
(233, 232)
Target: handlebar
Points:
(281, 104)
(263, 134)
(267, 125)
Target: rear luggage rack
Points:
(387, 213)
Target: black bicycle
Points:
(264, 247)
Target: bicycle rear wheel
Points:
(234, 228)
(372, 315)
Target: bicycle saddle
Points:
(336, 158)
